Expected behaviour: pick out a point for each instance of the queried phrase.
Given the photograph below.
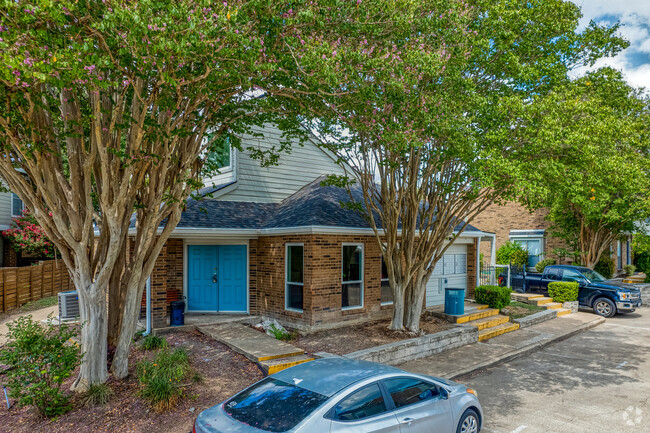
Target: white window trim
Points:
(362, 270)
(381, 280)
(15, 214)
(286, 277)
(542, 246)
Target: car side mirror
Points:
(444, 394)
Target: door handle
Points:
(214, 278)
(407, 421)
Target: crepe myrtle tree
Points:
(437, 140)
(111, 109)
(598, 182)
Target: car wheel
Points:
(468, 422)
(604, 307)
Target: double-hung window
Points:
(294, 275)
(352, 276)
(17, 205)
(386, 292)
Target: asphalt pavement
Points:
(596, 381)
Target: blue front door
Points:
(216, 279)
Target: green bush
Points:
(629, 270)
(605, 267)
(512, 253)
(153, 342)
(39, 359)
(642, 261)
(563, 291)
(543, 264)
(280, 333)
(494, 296)
(162, 379)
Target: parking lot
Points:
(597, 381)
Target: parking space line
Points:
(519, 429)
(627, 326)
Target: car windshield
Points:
(593, 276)
(273, 405)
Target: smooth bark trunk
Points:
(414, 306)
(94, 330)
(397, 324)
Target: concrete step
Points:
(489, 322)
(472, 315)
(482, 307)
(254, 345)
(486, 334)
(272, 366)
(563, 312)
(552, 305)
(540, 302)
(523, 297)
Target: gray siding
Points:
(273, 184)
(5, 210)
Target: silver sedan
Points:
(339, 395)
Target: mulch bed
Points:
(517, 310)
(224, 371)
(341, 341)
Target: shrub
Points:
(153, 342)
(494, 296)
(97, 394)
(605, 267)
(543, 264)
(512, 253)
(629, 270)
(642, 261)
(38, 361)
(162, 379)
(563, 291)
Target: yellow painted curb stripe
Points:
(284, 355)
(279, 367)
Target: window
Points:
(571, 275)
(619, 254)
(294, 277)
(534, 248)
(386, 292)
(17, 205)
(406, 391)
(552, 274)
(219, 155)
(352, 276)
(257, 405)
(361, 404)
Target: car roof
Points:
(327, 376)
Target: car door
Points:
(420, 406)
(571, 275)
(550, 275)
(363, 411)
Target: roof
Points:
(313, 205)
(327, 376)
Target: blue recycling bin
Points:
(177, 317)
(454, 301)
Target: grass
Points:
(97, 395)
(153, 342)
(162, 379)
(517, 310)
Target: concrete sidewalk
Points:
(37, 315)
(467, 359)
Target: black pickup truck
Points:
(606, 297)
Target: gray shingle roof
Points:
(313, 205)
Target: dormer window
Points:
(220, 155)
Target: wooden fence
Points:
(31, 283)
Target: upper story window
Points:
(294, 275)
(386, 291)
(17, 205)
(352, 276)
(219, 157)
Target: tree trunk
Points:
(116, 297)
(416, 290)
(130, 314)
(94, 329)
(397, 324)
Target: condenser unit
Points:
(68, 305)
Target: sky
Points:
(634, 16)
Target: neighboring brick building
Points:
(274, 242)
(513, 222)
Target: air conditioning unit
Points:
(68, 305)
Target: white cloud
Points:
(634, 16)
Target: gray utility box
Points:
(68, 305)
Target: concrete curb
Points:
(508, 356)
(536, 318)
(419, 347)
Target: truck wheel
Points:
(604, 307)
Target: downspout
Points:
(148, 302)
